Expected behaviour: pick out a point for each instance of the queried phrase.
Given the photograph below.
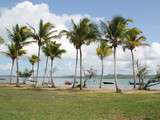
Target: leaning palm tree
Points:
(42, 35)
(12, 53)
(54, 52)
(82, 33)
(134, 39)
(114, 32)
(103, 51)
(33, 59)
(19, 36)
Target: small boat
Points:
(68, 83)
(108, 83)
(2, 79)
(132, 83)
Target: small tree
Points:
(25, 74)
(142, 71)
(88, 74)
(33, 59)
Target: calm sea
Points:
(92, 83)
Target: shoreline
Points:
(68, 88)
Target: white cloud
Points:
(27, 12)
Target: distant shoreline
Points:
(109, 76)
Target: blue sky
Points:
(145, 14)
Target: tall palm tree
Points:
(33, 59)
(42, 35)
(114, 32)
(82, 33)
(12, 53)
(45, 50)
(19, 36)
(133, 39)
(103, 51)
(54, 52)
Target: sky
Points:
(144, 13)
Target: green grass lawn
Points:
(20, 104)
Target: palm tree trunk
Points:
(134, 75)
(33, 72)
(11, 74)
(115, 70)
(45, 71)
(39, 50)
(53, 86)
(100, 86)
(17, 82)
(80, 68)
(75, 76)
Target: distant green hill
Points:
(111, 76)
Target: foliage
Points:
(133, 39)
(12, 51)
(19, 35)
(44, 32)
(33, 59)
(54, 50)
(142, 70)
(83, 33)
(114, 31)
(26, 73)
(103, 50)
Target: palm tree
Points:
(33, 59)
(45, 50)
(103, 51)
(134, 39)
(114, 32)
(74, 40)
(83, 33)
(42, 35)
(54, 52)
(19, 36)
(12, 53)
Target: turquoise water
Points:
(92, 83)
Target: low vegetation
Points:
(38, 104)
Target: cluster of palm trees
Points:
(109, 35)
(19, 37)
